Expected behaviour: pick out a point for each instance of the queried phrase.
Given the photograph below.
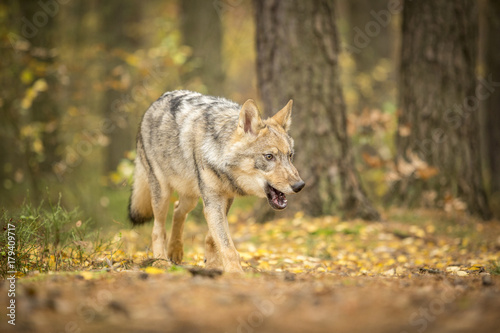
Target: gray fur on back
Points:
(183, 128)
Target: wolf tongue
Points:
(277, 199)
(280, 198)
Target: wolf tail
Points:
(140, 210)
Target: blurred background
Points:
(77, 76)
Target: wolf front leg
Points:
(222, 247)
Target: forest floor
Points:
(422, 272)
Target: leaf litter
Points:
(412, 274)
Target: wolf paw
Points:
(233, 269)
(175, 254)
(213, 262)
(161, 263)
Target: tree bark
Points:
(30, 92)
(120, 39)
(439, 116)
(297, 58)
(360, 17)
(492, 59)
(202, 31)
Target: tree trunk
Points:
(119, 26)
(202, 31)
(297, 58)
(492, 57)
(45, 108)
(438, 153)
(361, 16)
(30, 91)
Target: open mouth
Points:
(277, 200)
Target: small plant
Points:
(495, 268)
(46, 239)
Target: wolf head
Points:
(264, 153)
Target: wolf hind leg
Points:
(160, 209)
(212, 257)
(182, 207)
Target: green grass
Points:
(47, 238)
(495, 268)
(352, 231)
(323, 231)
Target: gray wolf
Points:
(208, 147)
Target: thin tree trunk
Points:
(118, 26)
(202, 31)
(492, 114)
(297, 58)
(438, 117)
(33, 118)
(361, 15)
(45, 108)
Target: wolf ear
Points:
(250, 121)
(284, 116)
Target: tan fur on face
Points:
(272, 138)
(284, 174)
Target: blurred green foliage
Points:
(77, 83)
(72, 65)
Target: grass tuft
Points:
(46, 239)
(495, 268)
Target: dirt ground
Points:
(411, 273)
(265, 302)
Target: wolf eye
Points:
(269, 157)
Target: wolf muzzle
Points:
(298, 186)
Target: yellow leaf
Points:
(87, 275)
(232, 219)
(427, 173)
(179, 58)
(417, 231)
(476, 268)
(264, 265)
(390, 262)
(310, 227)
(132, 60)
(40, 85)
(299, 215)
(73, 111)
(154, 270)
(115, 177)
(37, 146)
(26, 76)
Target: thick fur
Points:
(208, 147)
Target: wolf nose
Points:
(298, 186)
